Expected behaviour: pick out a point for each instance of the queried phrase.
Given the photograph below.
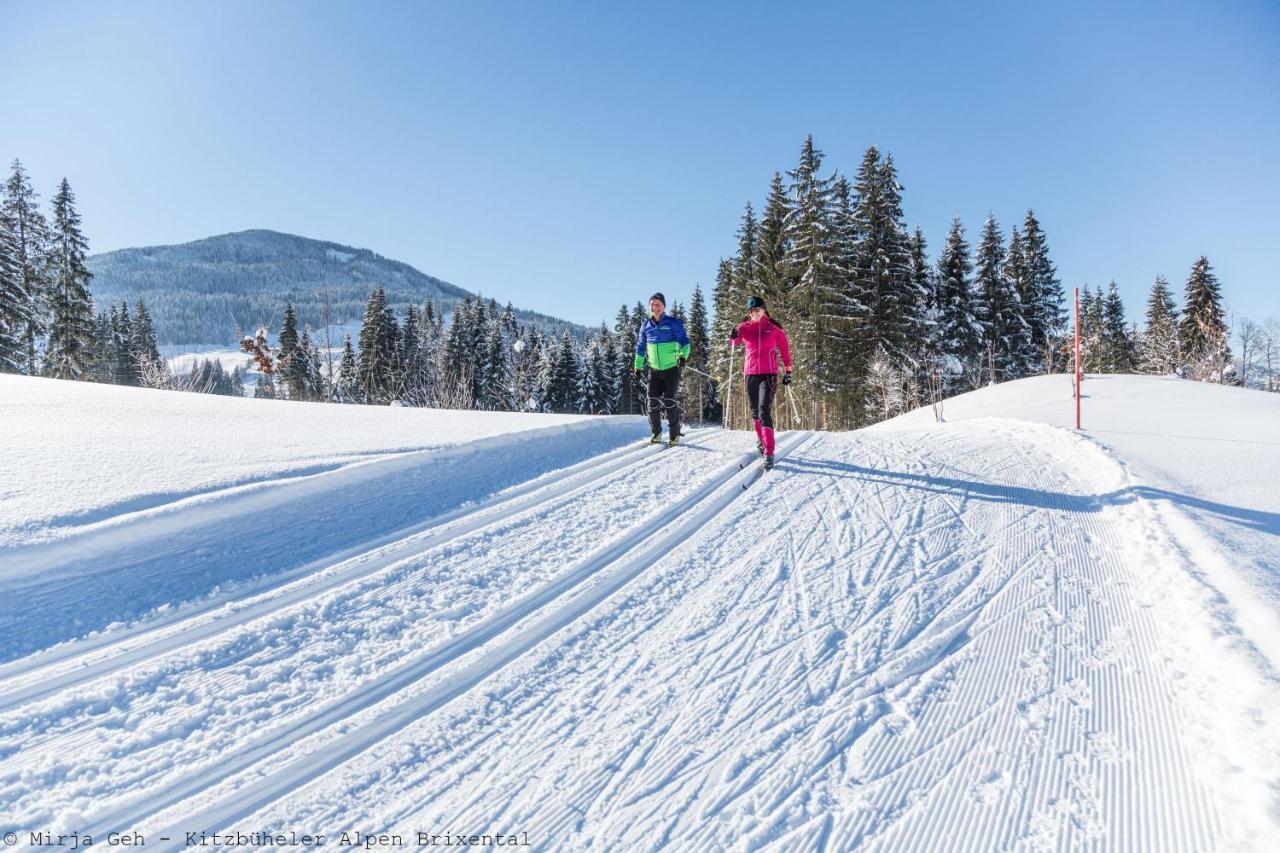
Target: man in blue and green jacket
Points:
(665, 346)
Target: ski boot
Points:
(675, 439)
(656, 438)
(768, 462)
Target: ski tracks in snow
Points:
(902, 638)
(896, 638)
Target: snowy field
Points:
(984, 634)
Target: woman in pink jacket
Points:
(762, 336)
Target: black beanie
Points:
(660, 298)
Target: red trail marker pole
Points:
(1078, 377)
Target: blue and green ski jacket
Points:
(662, 343)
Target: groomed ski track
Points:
(893, 638)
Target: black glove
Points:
(786, 378)
(733, 336)
(680, 362)
(639, 373)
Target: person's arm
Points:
(685, 346)
(784, 347)
(735, 336)
(640, 352)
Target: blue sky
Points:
(572, 156)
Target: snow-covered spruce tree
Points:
(1159, 351)
(1203, 330)
(816, 282)
(851, 330)
(772, 274)
(1117, 343)
(128, 370)
(374, 371)
(410, 357)
(727, 315)
(1046, 312)
(922, 342)
(71, 346)
(593, 391)
(1006, 337)
(144, 338)
(610, 374)
(14, 303)
(495, 368)
(958, 330)
(624, 337)
(348, 383)
(698, 390)
(745, 279)
(562, 385)
(882, 273)
(528, 390)
(30, 239)
(1093, 350)
(103, 349)
(458, 354)
(1028, 355)
(293, 371)
(431, 341)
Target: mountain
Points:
(215, 290)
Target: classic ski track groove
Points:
(38, 681)
(81, 729)
(1070, 704)
(614, 565)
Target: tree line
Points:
(876, 326)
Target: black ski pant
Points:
(664, 396)
(760, 391)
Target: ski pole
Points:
(795, 413)
(728, 403)
(697, 371)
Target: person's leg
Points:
(672, 402)
(655, 401)
(753, 400)
(766, 412)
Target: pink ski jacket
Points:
(761, 338)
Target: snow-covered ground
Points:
(981, 634)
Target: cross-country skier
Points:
(762, 336)
(665, 346)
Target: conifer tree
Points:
(71, 345)
(699, 388)
(815, 279)
(29, 239)
(1005, 335)
(1047, 312)
(1159, 352)
(771, 250)
(1117, 344)
(624, 337)
(14, 303)
(144, 335)
(104, 369)
(1203, 330)
(883, 261)
(565, 379)
(348, 378)
(374, 371)
(128, 371)
(959, 332)
(611, 379)
(1028, 355)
